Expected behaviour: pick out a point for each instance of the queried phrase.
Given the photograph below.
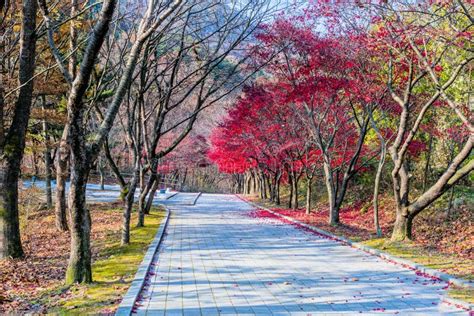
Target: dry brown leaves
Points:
(46, 254)
(454, 235)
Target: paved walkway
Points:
(215, 259)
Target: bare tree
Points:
(79, 267)
(421, 52)
(198, 67)
(83, 152)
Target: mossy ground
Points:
(450, 263)
(112, 273)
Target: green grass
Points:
(463, 294)
(112, 273)
(449, 263)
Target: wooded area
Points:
(319, 101)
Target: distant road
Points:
(95, 194)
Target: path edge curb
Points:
(169, 197)
(452, 301)
(406, 263)
(197, 197)
(130, 298)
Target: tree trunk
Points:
(2, 99)
(308, 195)
(450, 203)
(450, 177)
(128, 206)
(290, 183)
(10, 241)
(269, 187)
(378, 178)
(249, 184)
(100, 169)
(114, 168)
(183, 180)
(79, 266)
(295, 191)
(333, 210)
(142, 178)
(36, 172)
(142, 199)
(151, 196)
(258, 182)
(14, 142)
(263, 186)
(402, 229)
(277, 191)
(47, 157)
(254, 184)
(61, 176)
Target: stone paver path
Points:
(216, 259)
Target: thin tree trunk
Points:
(10, 241)
(308, 194)
(151, 196)
(450, 203)
(378, 177)
(73, 40)
(47, 157)
(333, 211)
(183, 180)
(277, 190)
(100, 169)
(263, 186)
(142, 178)
(249, 184)
(35, 165)
(269, 187)
(61, 176)
(295, 191)
(114, 168)
(2, 100)
(129, 205)
(290, 183)
(255, 183)
(142, 200)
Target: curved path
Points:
(217, 259)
